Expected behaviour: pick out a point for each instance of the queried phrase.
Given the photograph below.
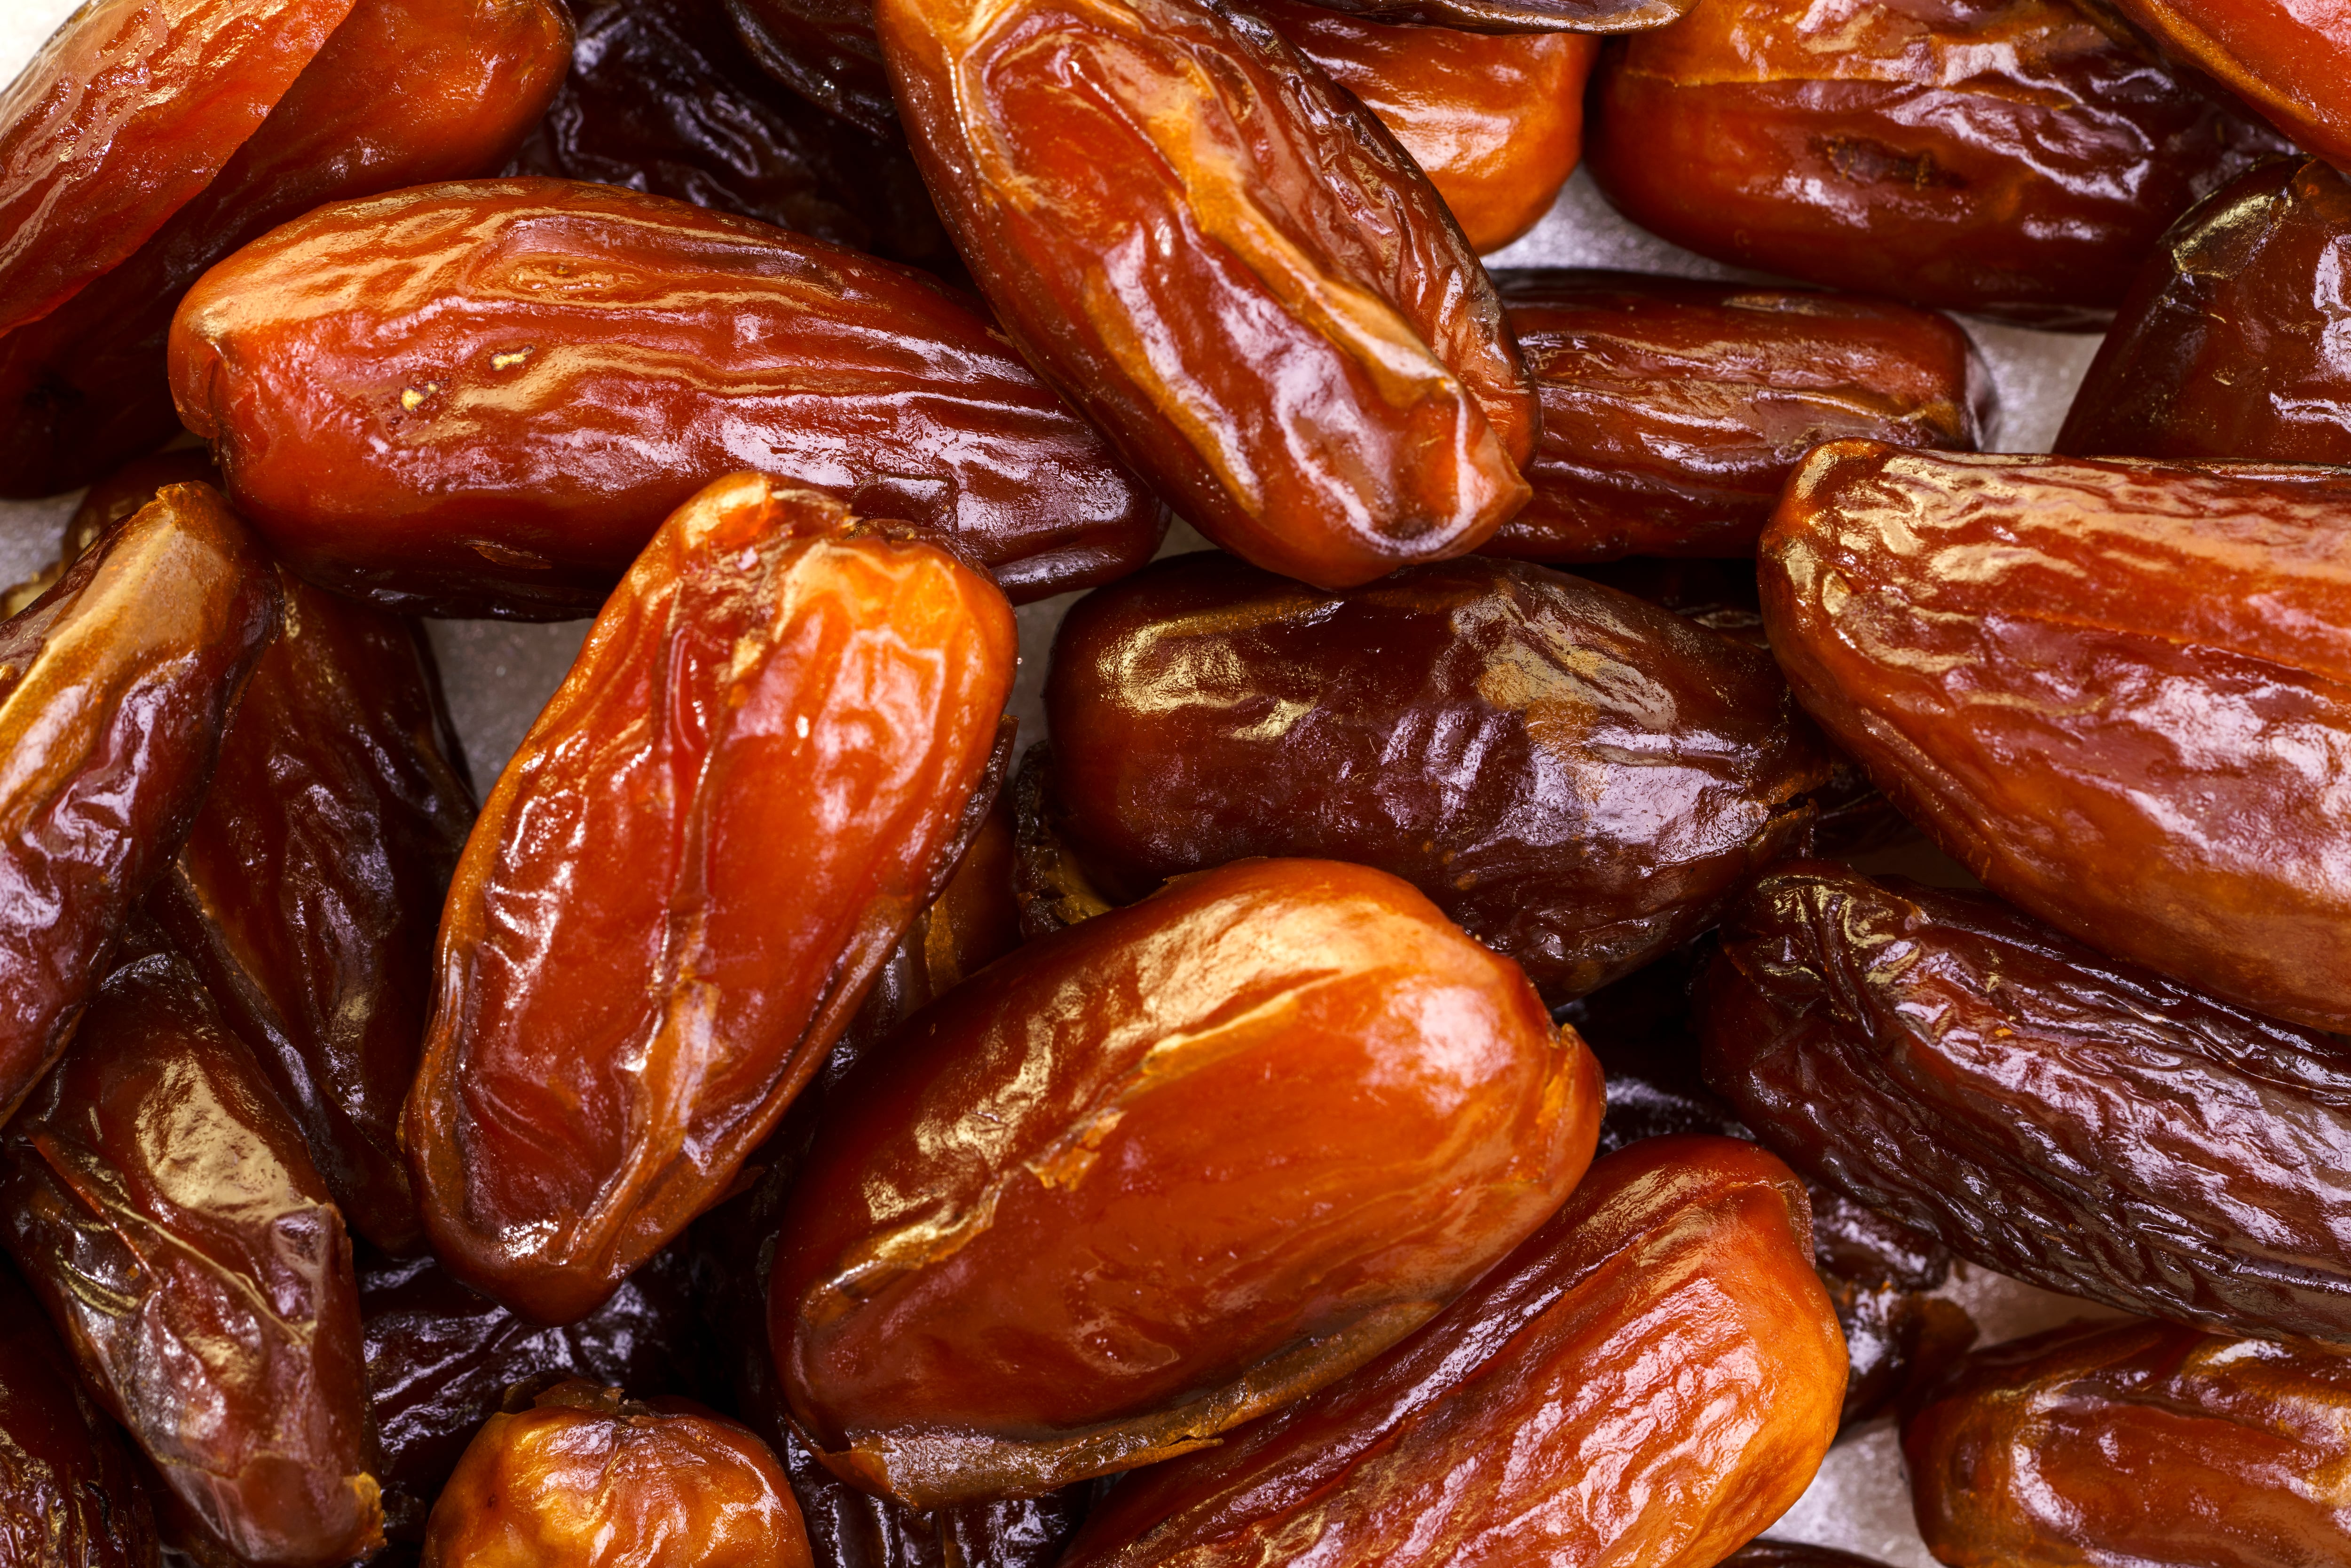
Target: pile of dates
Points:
(1423, 1064)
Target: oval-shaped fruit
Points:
(531, 375)
(68, 1498)
(2288, 59)
(1652, 1378)
(824, 50)
(2118, 693)
(757, 775)
(1148, 1178)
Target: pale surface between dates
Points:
(499, 674)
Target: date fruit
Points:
(762, 768)
(2136, 1443)
(1521, 16)
(1795, 1554)
(1579, 779)
(1152, 1176)
(1674, 411)
(2083, 1124)
(2235, 341)
(484, 398)
(2115, 692)
(824, 50)
(1228, 265)
(2000, 156)
(2288, 59)
(68, 1498)
(1652, 1378)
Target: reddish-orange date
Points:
(2288, 59)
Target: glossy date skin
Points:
(2235, 342)
(824, 50)
(1521, 16)
(765, 763)
(1580, 779)
(162, 1205)
(1999, 156)
(2127, 1445)
(532, 374)
(1168, 1084)
(1674, 411)
(1306, 358)
(2288, 59)
(68, 1498)
(2085, 1126)
(1652, 1378)
(2115, 692)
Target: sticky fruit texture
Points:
(1579, 779)
(404, 92)
(2101, 1445)
(2084, 1125)
(2235, 341)
(2115, 692)
(1674, 412)
(115, 687)
(107, 505)
(587, 1479)
(1652, 1378)
(528, 375)
(1230, 266)
(1151, 1177)
(162, 1205)
(1521, 16)
(824, 50)
(769, 757)
(68, 1498)
(2288, 59)
(2000, 156)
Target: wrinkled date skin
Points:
(2118, 693)
(115, 689)
(1673, 412)
(1055, 1228)
(1231, 265)
(586, 1478)
(769, 758)
(2000, 156)
(1578, 777)
(1521, 16)
(162, 1206)
(2125, 1444)
(2235, 342)
(68, 1498)
(1652, 1378)
(405, 92)
(2288, 59)
(528, 375)
(825, 51)
(2084, 1125)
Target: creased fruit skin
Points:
(1521, 16)
(824, 50)
(586, 1478)
(68, 1498)
(484, 398)
(2000, 156)
(1229, 265)
(161, 1203)
(2118, 693)
(1580, 779)
(2039, 1109)
(760, 769)
(117, 684)
(2287, 59)
(2137, 1445)
(404, 92)
(1148, 1178)
(1674, 411)
(1652, 1378)
(2235, 342)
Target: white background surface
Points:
(498, 676)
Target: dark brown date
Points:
(2235, 341)
(68, 1497)
(1795, 1554)
(2039, 1109)
(2288, 59)
(534, 373)
(1580, 779)
(1673, 412)
(2000, 156)
(824, 50)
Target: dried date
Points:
(68, 1497)
(824, 50)
(2287, 59)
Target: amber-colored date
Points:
(1662, 1338)
(68, 1498)
(1470, 726)
(531, 375)
(2000, 156)
(2112, 690)
(2235, 341)
(1521, 16)
(587, 1479)
(2288, 59)
(1673, 410)
(2084, 1125)
(2136, 1443)
(1229, 265)
(1297, 1107)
